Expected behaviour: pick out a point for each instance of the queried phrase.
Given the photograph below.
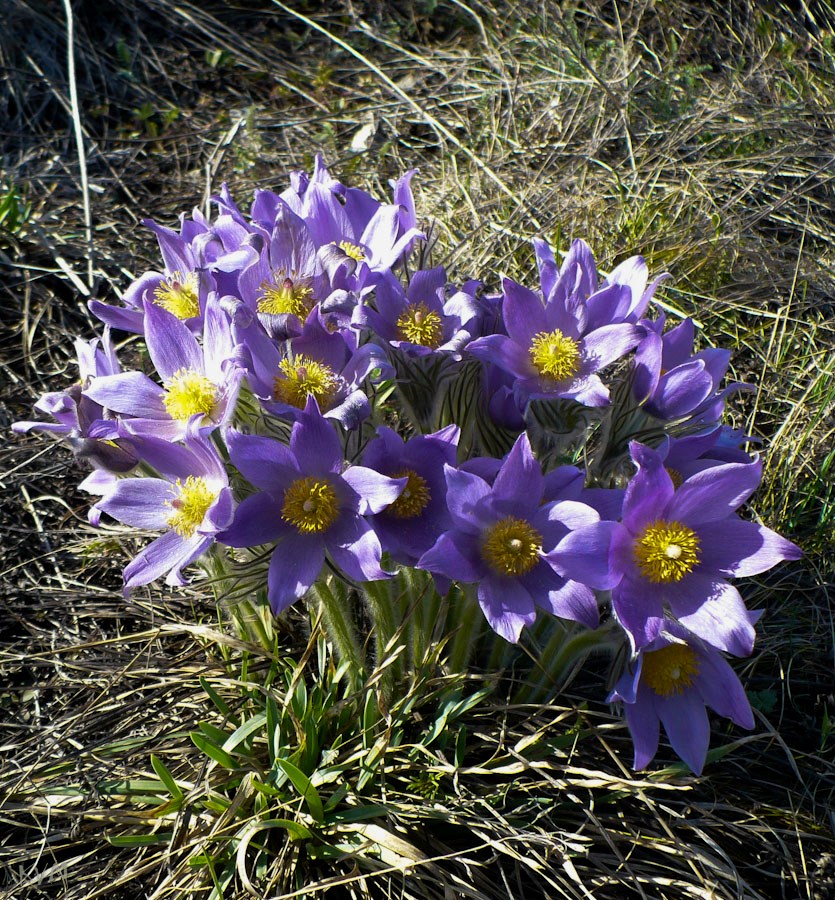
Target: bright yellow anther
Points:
(189, 507)
(666, 551)
(420, 325)
(554, 355)
(670, 670)
(178, 294)
(352, 250)
(303, 377)
(415, 497)
(189, 393)
(512, 546)
(310, 505)
(286, 295)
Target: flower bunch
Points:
(320, 414)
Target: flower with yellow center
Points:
(178, 295)
(189, 507)
(666, 551)
(415, 497)
(352, 250)
(512, 546)
(303, 377)
(286, 295)
(554, 355)
(670, 670)
(420, 325)
(310, 505)
(189, 393)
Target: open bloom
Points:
(196, 379)
(308, 505)
(190, 501)
(676, 548)
(672, 682)
(500, 540)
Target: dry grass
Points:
(697, 133)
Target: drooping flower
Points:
(672, 682)
(197, 380)
(673, 383)
(676, 548)
(501, 538)
(90, 429)
(190, 501)
(309, 505)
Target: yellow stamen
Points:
(670, 670)
(554, 355)
(352, 250)
(303, 377)
(414, 499)
(512, 546)
(666, 551)
(310, 505)
(190, 506)
(420, 325)
(178, 294)
(286, 295)
(189, 393)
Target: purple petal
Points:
(159, 557)
(455, 555)
(315, 443)
(687, 726)
(519, 480)
(610, 343)
(171, 345)
(507, 606)
(523, 312)
(715, 493)
(638, 610)
(714, 611)
(721, 689)
(649, 492)
(358, 552)
(140, 502)
(583, 555)
(375, 491)
(680, 391)
(505, 353)
(129, 392)
(294, 567)
(738, 549)
(257, 521)
(264, 462)
(466, 494)
(644, 726)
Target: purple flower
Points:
(308, 505)
(500, 539)
(197, 379)
(672, 682)
(676, 549)
(323, 364)
(674, 383)
(191, 501)
(420, 320)
(90, 429)
(411, 525)
(551, 349)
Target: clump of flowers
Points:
(322, 413)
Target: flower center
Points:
(554, 355)
(414, 499)
(352, 250)
(285, 296)
(512, 546)
(666, 551)
(310, 505)
(303, 377)
(420, 325)
(190, 506)
(178, 295)
(670, 670)
(189, 393)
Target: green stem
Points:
(465, 619)
(380, 603)
(338, 624)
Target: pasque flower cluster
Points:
(315, 399)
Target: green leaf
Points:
(217, 735)
(166, 778)
(302, 784)
(244, 730)
(218, 754)
(218, 701)
(138, 840)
